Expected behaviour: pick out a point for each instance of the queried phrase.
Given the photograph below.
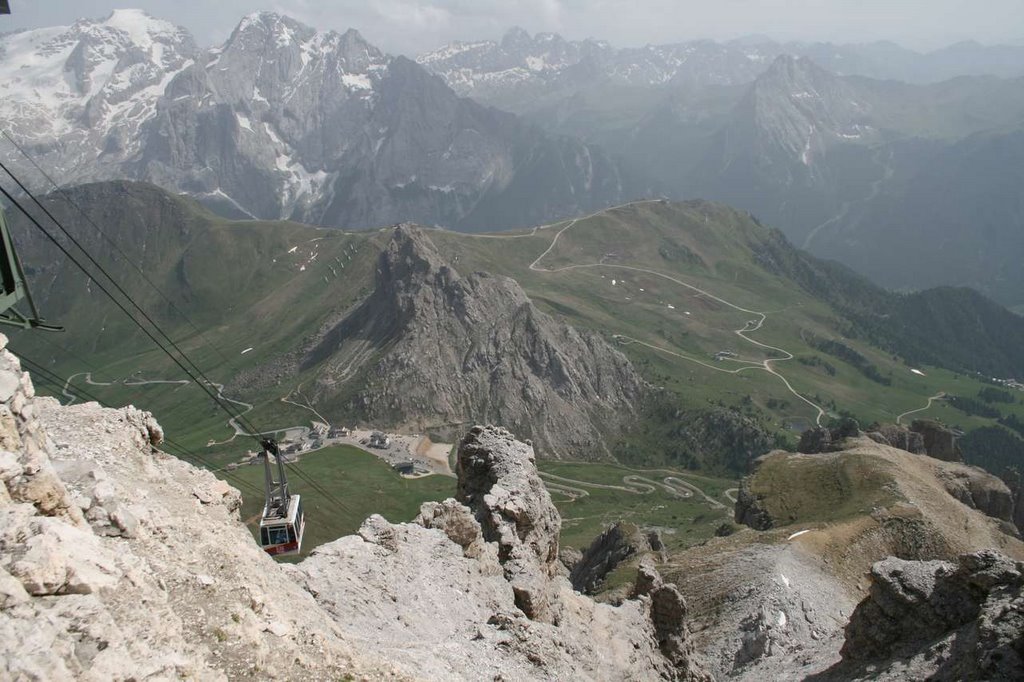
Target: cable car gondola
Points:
(13, 288)
(283, 521)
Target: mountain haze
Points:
(844, 147)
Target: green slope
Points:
(671, 283)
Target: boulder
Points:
(940, 620)
(748, 510)
(458, 523)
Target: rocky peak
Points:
(257, 29)
(356, 53)
(409, 256)
(516, 38)
(270, 59)
(798, 78)
(411, 266)
(274, 36)
(795, 109)
(127, 49)
(56, 78)
(459, 348)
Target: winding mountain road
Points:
(748, 327)
(233, 423)
(938, 396)
(635, 484)
(844, 209)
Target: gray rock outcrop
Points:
(668, 613)
(939, 441)
(815, 440)
(120, 562)
(619, 542)
(939, 620)
(1015, 482)
(979, 490)
(820, 439)
(749, 511)
(498, 481)
(431, 346)
(900, 437)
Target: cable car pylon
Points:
(14, 289)
(283, 521)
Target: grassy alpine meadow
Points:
(592, 496)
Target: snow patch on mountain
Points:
(488, 69)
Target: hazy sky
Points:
(410, 26)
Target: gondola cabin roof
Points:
(273, 516)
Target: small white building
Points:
(379, 440)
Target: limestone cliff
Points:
(432, 347)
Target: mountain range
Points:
(911, 182)
(898, 164)
(283, 121)
(532, 66)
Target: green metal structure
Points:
(13, 288)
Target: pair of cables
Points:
(108, 285)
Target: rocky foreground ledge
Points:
(473, 588)
(120, 562)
